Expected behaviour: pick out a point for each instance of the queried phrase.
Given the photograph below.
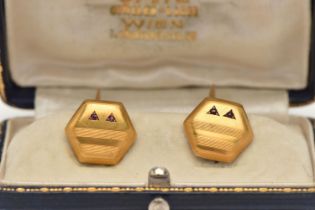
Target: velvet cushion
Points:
(282, 154)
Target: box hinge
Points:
(159, 177)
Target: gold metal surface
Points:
(69, 189)
(100, 132)
(218, 130)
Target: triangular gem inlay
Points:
(230, 114)
(214, 111)
(93, 116)
(111, 118)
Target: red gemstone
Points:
(230, 114)
(93, 116)
(111, 118)
(214, 111)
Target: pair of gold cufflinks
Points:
(101, 132)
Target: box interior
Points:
(37, 152)
(250, 49)
(263, 44)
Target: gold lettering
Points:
(160, 24)
(177, 23)
(130, 23)
(154, 20)
(152, 35)
(181, 11)
(136, 11)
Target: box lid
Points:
(23, 95)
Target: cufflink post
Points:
(98, 94)
(212, 91)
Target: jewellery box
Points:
(158, 58)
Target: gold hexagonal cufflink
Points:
(218, 130)
(100, 132)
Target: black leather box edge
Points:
(68, 197)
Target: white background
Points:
(7, 112)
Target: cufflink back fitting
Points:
(100, 132)
(218, 129)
